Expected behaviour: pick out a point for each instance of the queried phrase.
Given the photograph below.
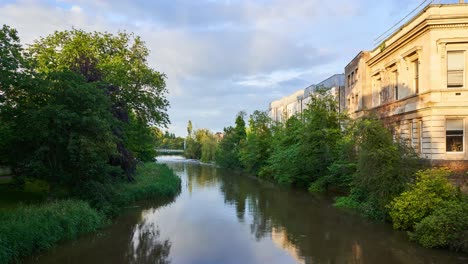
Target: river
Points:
(222, 217)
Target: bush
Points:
(33, 228)
(349, 201)
(152, 180)
(383, 167)
(431, 189)
(447, 226)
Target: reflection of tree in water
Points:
(146, 246)
(312, 228)
(200, 176)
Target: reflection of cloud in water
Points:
(146, 245)
(279, 237)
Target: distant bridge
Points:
(170, 151)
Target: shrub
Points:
(349, 201)
(384, 167)
(152, 180)
(447, 226)
(32, 228)
(430, 190)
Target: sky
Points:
(224, 56)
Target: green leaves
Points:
(421, 199)
(116, 60)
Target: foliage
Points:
(227, 154)
(140, 139)
(431, 189)
(255, 150)
(77, 106)
(383, 168)
(119, 61)
(343, 168)
(285, 164)
(168, 140)
(29, 229)
(349, 201)
(152, 180)
(60, 131)
(447, 226)
(189, 128)
(320, 134)
(303, 150)
(202, 145)
(118, 65)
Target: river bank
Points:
(29, 229)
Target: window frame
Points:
(415, 72)
(463, 135)
(464, 68)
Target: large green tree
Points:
(54, 126)
(118, 65)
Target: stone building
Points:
(416, 81)
(282, 109)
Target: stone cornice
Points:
(418, 30)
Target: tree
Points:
(62, 133)
(227, 154)
(118, 65)
(189, 128)
(255, 150)
(383, 168)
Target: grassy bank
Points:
(25, 230)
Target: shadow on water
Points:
(222, 217)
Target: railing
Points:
(170, 151)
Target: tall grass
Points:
(25, 230)
(29, 229)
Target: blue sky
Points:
(224, 56)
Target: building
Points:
(282, 109)
(416, 81)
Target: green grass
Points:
(32, 228)
(26, 229)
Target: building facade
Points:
(417, 82)
(282, 109)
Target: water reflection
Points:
(308, 227)
(146, 245)
(223, 217)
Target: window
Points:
(352, 78)
(379, 86)
(455, 69)
(395, 85)
(415, 67)
(355, 75)
(420, 135)
(349, 80)
(454, 135)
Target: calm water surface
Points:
(221, 217)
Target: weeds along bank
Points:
(28, 229)
(384, 179)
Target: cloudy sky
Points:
(223, 56)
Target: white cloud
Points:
(218, 55)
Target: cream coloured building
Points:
(282, 109)
(417, 82)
